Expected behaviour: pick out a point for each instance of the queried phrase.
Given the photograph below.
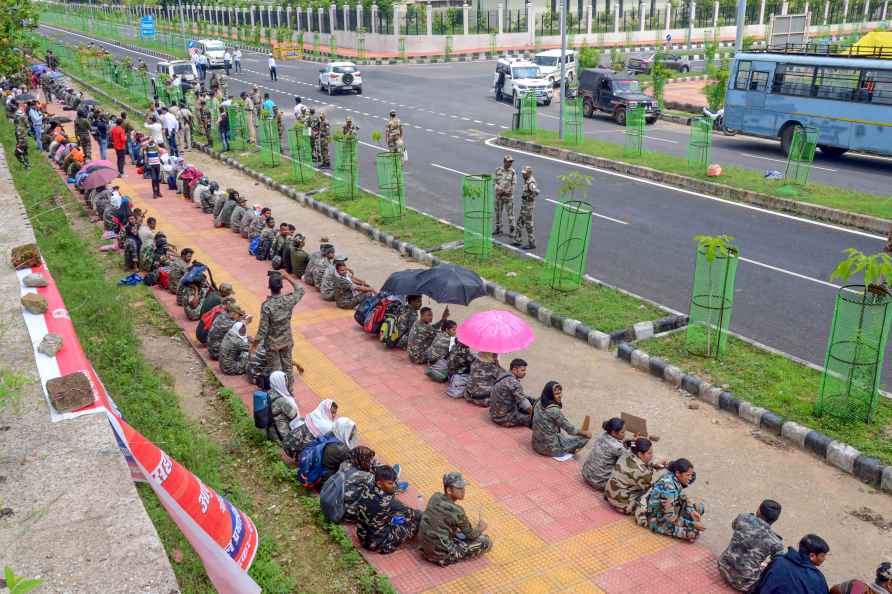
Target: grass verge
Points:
(780, 385)
(104, 316)
(737, 177)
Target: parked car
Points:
(549, 63)
(645, 63)
(214, 50)
(613, 93)
(183, 70)
(514, 77)
(340, 76)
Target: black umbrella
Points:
(60, 119)
(449, 283)
(404, 282)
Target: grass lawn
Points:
(598, 307)
(780, 385)
(738, 177)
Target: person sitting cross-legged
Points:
(548, 423)
(234, 350)
(349, 291)
(665, 509)
(796, 571)
(606, 450)
(446, 536)
(305, 431)
(283, 407)
(509, 406)
(632, 476)
(485, 370)
(752, 545)
(336, 453)
(422, 334)
(405, 319)
(383, 523)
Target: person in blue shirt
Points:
(796, 572)
(268, 105)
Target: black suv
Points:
(611, 92)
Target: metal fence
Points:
(515, 20)
(483, 21)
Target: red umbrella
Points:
(99, 177)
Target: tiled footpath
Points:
(552, 533)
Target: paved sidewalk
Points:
(551, 531)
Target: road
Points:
(641, 231)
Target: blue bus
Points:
(848, 99)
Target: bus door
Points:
(745, 102)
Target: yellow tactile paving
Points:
(519, 556)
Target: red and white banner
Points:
(224, 537)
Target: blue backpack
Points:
(193, 275)
(309, 468)
(365, 308)
(263, 414)
(252, 247)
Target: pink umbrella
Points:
(98, 163)
(495, 331)
(99, 177)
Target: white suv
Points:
(214, 49)
(340, 76)
(549, 63)
(514, 77)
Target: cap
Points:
(340, 260)
(393, 112)
(508, 158)
(226, 289)
(454, 479)
(299, 237)
(527, 169)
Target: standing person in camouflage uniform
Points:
(665, 509)
(485, 370)
(383, 522)
(280, 127)
(631, 477)
(82, 130)
(405, 319)
(21, 140)
(350, 128)
(312, 122)
(393, 131)
(204, 118)
(234, 350)
(446, 536)
(752, 544)
(422, 334)
(549, 421)
(250, 109)
(324, 140)
(274, 332)
(604, 454)
(509, 406)
(526, 222)
(505, 181)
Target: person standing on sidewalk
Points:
(170, 125)
(152, 159)
(274, 331)
(223, 127)
(238, 59)
(119, 143)
(82, 130)
(250, 110)
(271, 62)
(505, 179)
(525, 221)
(184, 119)
(227, 61)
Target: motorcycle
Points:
(718, 121)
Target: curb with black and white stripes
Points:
(839, 454)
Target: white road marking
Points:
(594, 214)
(751, 156)
(791, 273)
(783, 215)
(449, 169)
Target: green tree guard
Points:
(858, 336)
(360, 47)
(391, 185)
(712, 296)
(332, 46)
(270, 148)
(634, 132)
(574, 129)
(527, 122)
(699, 144)
(802, 154)
(345, 178)
(301, 153)
(477, 201)
(567, 252)
(316, 51)
(402, 49)
(447, 50)
(238, 128)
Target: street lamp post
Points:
(741, 17)
(183, 28)
(564, 5)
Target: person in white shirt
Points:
(227, 61)
(170, 126)
(300, 110)
(155, 130)
(203, 66)
(271, 62)
(238, 60)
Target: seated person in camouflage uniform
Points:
(405, 319)
(383, 523)
(509, 406)
(360, 477)
(348, 290)
(276, 250)
(443, 343)
(238, 213)
(316, 259)
(549, 421)
(324, 265)
(215, 297)
(222, 324)
(460, 358)
(882, 584)
(327, 284)
(222, 219)
(234, 350)
(258, 223)
(267, 236)
(307, 430)
(132, 247)
(178, 268)
(283, 407)
(752, 545)
(485, 370)
(244, 227)
(606, 450)
(446, 536)
(665, 509)
(220, 199)
(422, 334)
(198, 192)
(632, 476)
(299, 257)
(213, 199)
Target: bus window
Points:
(759, 81)
(793, 79)
(743, 73)
(837, 83)
(877, 86)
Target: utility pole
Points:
(183, 29)
(741, 17)
(564, 6)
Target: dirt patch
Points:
(865, 514)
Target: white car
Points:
(549, 63)
(515, 77)
(340, 76)
(214, 50)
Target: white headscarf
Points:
(278, 382)
(236, 333)
(345, 431)
(321, 421)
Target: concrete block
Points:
(599, 340)
(510, 296)
(624, 351)
(657, 367)
(842, 455)
(581, 331)
(772, 422)
(886, 484)
(640, 360)
(643, 330)
(498, 293)
(750, 413)
(521, 302)
(533, 309)
(711, 395)
(869, 470)
(795, 432)
(691, 384)
(569, 325)
(621, 336)
(818, 443)
(556, 321)
(728, 402)
(704, 386)
(673, 375)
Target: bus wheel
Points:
(832, 152)
(787, 138)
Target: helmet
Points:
(392, 113)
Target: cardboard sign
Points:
(634, 425)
